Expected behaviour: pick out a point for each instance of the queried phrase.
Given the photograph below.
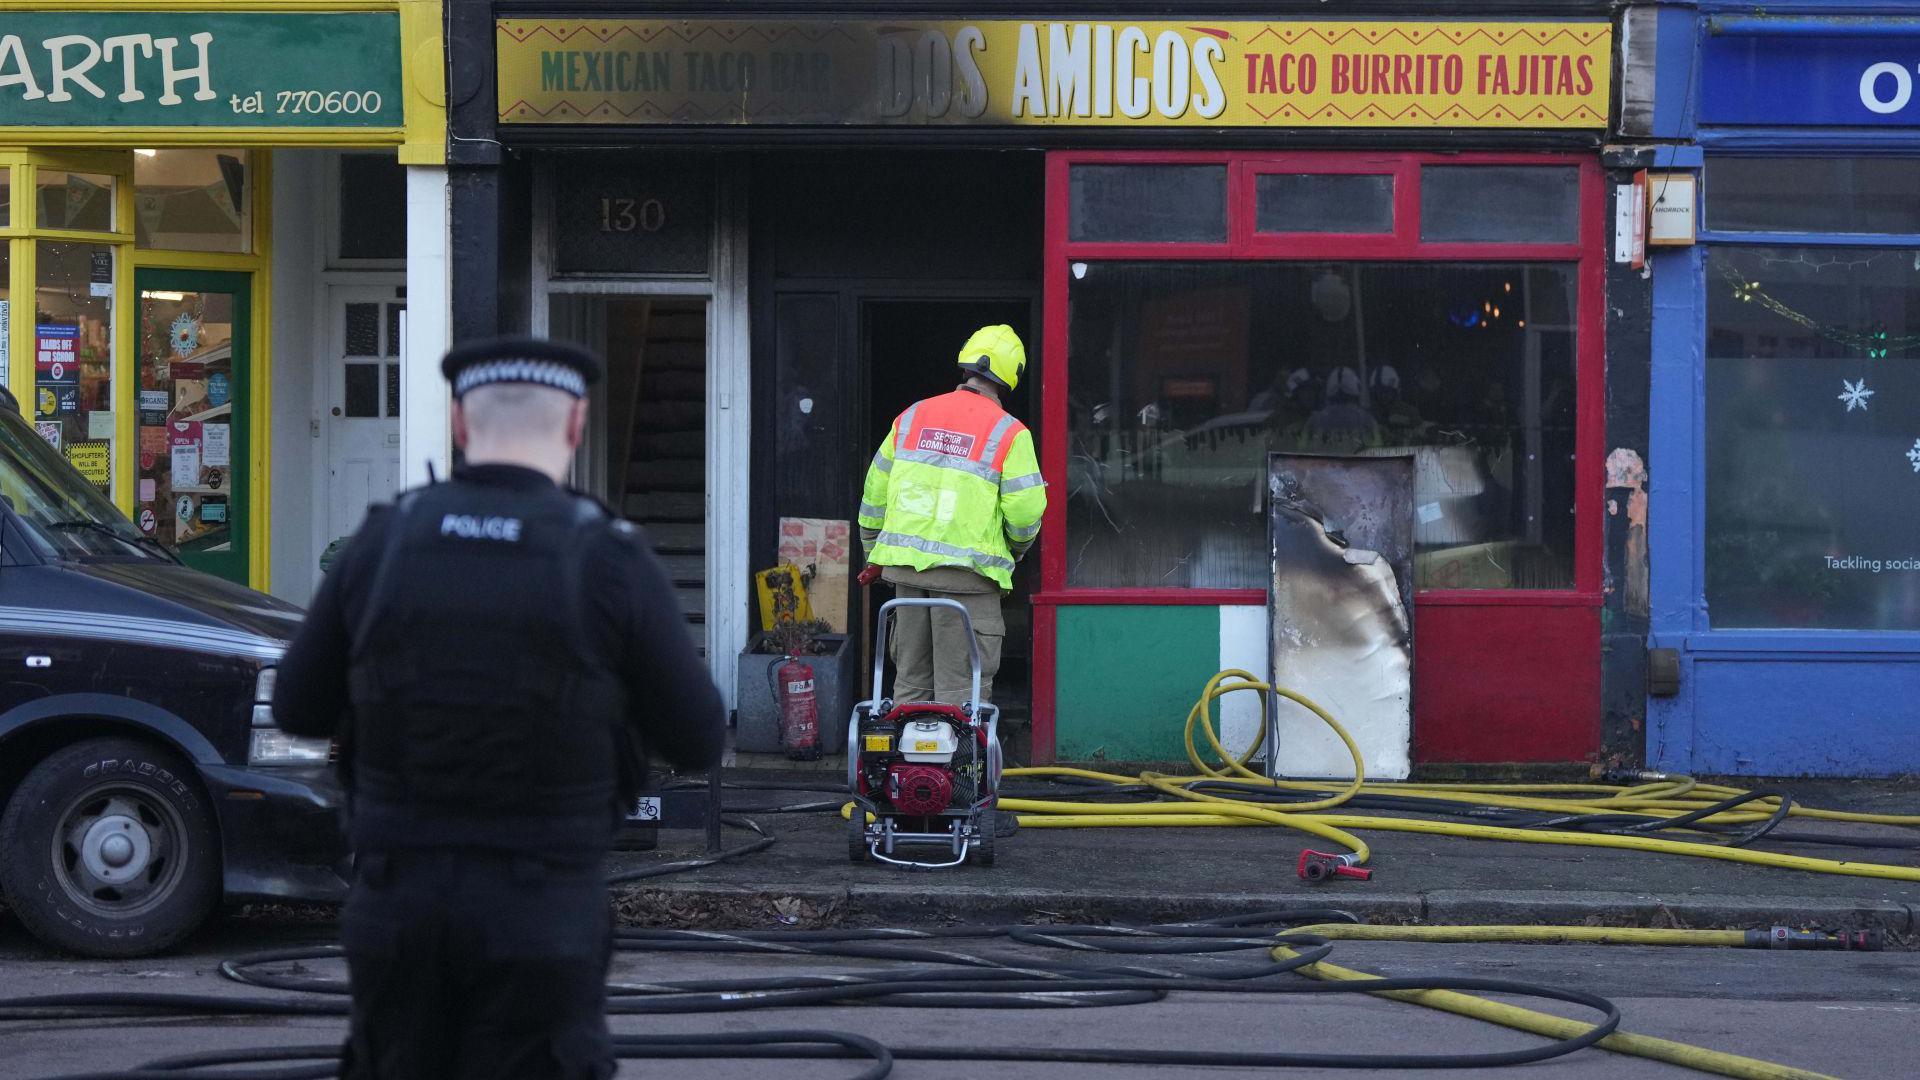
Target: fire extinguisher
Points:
(799, 712)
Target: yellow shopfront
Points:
(139, 211)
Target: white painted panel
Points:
(1243, 645)
(1365, 687)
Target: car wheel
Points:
(108, 848)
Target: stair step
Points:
(667, 475)
(658, 414)
(685, 569)
(670, 385)
(693, 599)
(678, 539)
(659, 506)
(678, 445)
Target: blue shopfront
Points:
(1784, 503)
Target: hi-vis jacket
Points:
(955, 484)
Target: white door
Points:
(361, 408)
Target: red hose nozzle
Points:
(1318, 866)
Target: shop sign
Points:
(200, 69)
(1811, 79)
(1110, 74)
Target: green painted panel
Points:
(1126, 676)
(200, 69)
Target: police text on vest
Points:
(468, 527)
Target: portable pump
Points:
(927, 773)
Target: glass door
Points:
(191, 400)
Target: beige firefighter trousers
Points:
(928, 646)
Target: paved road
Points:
(1850, 1015)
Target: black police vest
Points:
(484, 713)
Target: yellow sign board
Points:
(93, 461)
(617, 72)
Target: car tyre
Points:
(108, 848)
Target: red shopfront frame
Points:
(1499, 675)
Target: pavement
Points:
(1161, 874)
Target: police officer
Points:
(486, 650)
(952, 500)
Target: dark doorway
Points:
(909, 349)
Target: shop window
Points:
(1323, 203)
(1500, 204)
(1824, 194)
(373, 208)
(1813, 408)
(192, 200)
(1148, 203)
(6, 196)
(74, 200)
(73, 350)
(1183, 376)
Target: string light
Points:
(1876, 343)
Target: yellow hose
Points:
(1539, 1023)
(1658, 797)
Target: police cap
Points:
(494, 361)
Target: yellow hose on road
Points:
(1620, 1042)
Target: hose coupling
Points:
(1630, 777)
(1781, 937)
(1318, 866)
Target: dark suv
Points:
(140, 770)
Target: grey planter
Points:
(836, 686)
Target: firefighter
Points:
(952, 501)
(488, 651)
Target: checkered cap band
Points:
(541, 372)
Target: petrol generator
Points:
(926, 773)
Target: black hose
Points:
(934, 968)
(766, 841)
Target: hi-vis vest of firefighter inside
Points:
(1247, 74)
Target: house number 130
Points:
(629, 215)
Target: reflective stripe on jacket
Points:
(956, 483)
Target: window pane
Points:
(6, 196)
(1323, 203)
(393, 328)
(624, 215)
(71, 200)
(363, 390)
(1813, 409)
(373, 207)
(1503, 204)
(1148, 203)
(1184, 376)
(191, 200)
(1843, 195)
(73, 353)
(363, 329)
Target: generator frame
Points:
(969, 828)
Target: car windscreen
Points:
(59, 507)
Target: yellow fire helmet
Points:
(995, 353)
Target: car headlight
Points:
(271, 746)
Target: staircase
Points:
(665, 481)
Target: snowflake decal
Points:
(1855, 395)
(1913, 455)
(185, 335)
